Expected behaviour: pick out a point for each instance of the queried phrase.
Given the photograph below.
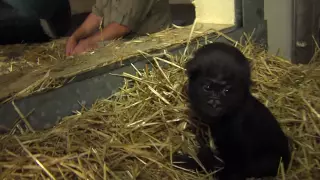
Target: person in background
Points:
(33, 21)
(119, 18)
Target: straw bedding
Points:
(26, 57)
(132, 134)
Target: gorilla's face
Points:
(219, 78)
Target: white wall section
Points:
(215, 11)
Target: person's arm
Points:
(125, 19)
(112, 31)
(90, 25)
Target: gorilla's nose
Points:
(214, 103)
(211, 101)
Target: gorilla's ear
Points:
(192, 69)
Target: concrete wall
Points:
(280, 28)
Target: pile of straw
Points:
(25, 57)
(133, 134)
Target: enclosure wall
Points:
(215, 11)
(293, 28)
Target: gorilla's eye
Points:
(225, 90)
(208, 87)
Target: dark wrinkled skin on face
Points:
(247, 136)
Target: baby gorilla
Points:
(247, 136)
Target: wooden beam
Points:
(25, 83)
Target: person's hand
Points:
(70, 46)
(84, 45)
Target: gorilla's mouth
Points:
(214, 111)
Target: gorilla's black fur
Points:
(247, 136)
